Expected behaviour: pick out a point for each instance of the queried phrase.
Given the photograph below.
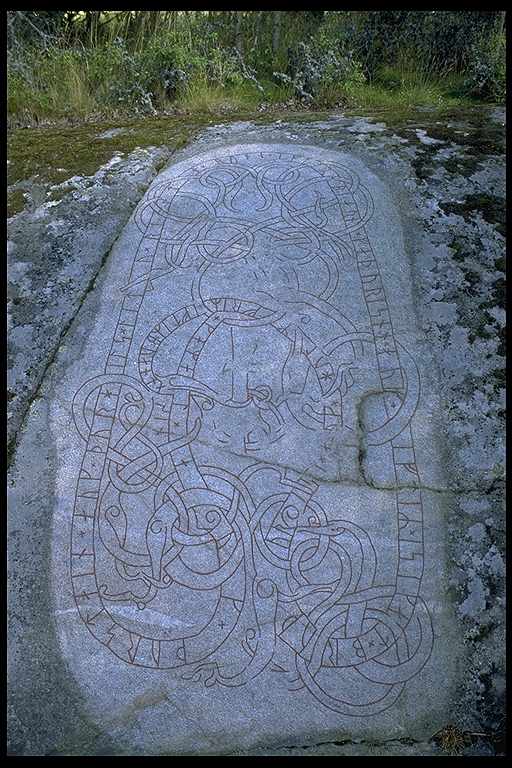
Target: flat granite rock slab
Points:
(248, 525)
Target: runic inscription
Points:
(201, 540)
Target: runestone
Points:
(252, 363)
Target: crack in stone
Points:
(305, 474)
(408, 740)
(13, 443)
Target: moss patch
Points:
(59, 153)
(468, 128)
(490, 208)
(15, 201)
(54, 153)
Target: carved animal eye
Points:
(156, 526)
(212, 516)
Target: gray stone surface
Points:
(279, 426)
(249, 547)
(55, 250)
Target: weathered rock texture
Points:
(241, 448)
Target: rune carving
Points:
(201, 540)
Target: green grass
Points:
(128, 63)
(107, 82)
(57, 86)
(72, 101)
(201, 97)
(402, 87)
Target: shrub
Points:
(119, 78)
(486, 73)
(318, 73)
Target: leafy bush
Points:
(118, 77)
(319, 73)
(486, 73)
(439, 41)
(164, 70)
